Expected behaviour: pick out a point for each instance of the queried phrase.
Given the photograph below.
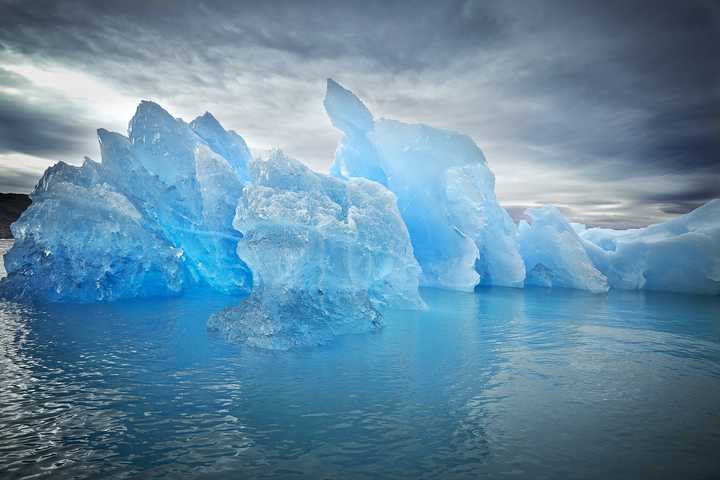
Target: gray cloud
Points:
(16, 181)
(34, 122)
(398, 35)
(570, 100)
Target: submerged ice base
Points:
(282, 319)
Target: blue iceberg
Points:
(175, 206)
(154, 218)
(82, 240)
(461, 236)
(324, 254)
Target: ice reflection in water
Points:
(500, 383)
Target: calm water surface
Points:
(502, 383)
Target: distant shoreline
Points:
(12, 205)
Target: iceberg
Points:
(680, 255)
(325, 255)
(460, 234)
(81, 240)
(554, 254)
(175, 206)
(154, 218)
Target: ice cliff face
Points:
(153, 218)
(446, 194)
(324, 253)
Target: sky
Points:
(609, 110)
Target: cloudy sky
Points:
(609, 109)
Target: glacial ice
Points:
(82, 240)
(155, 217)
(681, 255)
(554, 254)
(175, 206)
(324, 254)
(445, 191)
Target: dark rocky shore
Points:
(11, 207)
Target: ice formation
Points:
(324, 254)
(445, 190)
(153, 218)
(681, 255)
(462, 237)
(554, 253)
(174, 206)
(83, 240)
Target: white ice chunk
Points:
(554, 253)
(681, 255)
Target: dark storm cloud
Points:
(13, 180)
(683, 201)
(35, 123)
(397, 35)
(11, 79)
(41, 126)
(689, 137)
(627, 79)
(589, 99)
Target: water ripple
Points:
(501, 383)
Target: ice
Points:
(176, 206)
(195, 192)
(291, 318)
(445, 191)
(325, 254)
(681, 255)
(554, 254)
(228, 144)
(163, 199)
(81, 240)
(301, 228)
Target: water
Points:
(5, 245)
(503, 384)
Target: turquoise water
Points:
(502, 383)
